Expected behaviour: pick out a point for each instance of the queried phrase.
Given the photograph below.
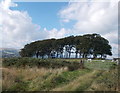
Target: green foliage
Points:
(46, 63)
(107, 81)
(99, 65)
(54, 80)
(20, 86)
(68, 76)
(74, 66)
(86, 45)
(101, 74)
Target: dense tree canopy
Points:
(86, 46)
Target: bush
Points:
(46, 63)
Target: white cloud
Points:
(94, 17)
(90, 17)
(112, 37)
(7, 3)
(18, 29)
(17, 26)
(54, 33)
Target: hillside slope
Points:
(9, 52)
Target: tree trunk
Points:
(37, 54)
(101, 56)
(69, 54)
(57, 55)
(48, 55)
(76, 54)
(61, 55)
(66, 55)
(79, 55)
(83, 56)
(42, 57)
(94, 56)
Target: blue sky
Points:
(60, 19)
(44, 14)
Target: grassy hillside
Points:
(25, 74)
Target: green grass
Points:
(107, 81)
(96, 76)
(80, 83)
(99, 65)
(34, 62)
(68, 76)
(42, 82)
(55, 80)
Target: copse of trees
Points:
(85, 46)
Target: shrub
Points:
(46, 63)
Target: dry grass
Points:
(107, 81)
(39, 83)
(34, 79)
(48, 79)
(80, 81)
(12, 76)
(8, 78)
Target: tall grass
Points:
(30, 74)
(35, 79)
(46, 63)
(15, 78)
(79, 84)
(107, 81)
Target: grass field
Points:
(96, 76)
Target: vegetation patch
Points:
(34, 62)
(32, 74)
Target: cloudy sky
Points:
(24, 22)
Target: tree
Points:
(100, 46)
(77, 41)
(69, 44)
(88, 45)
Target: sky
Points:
(46, 16)
(25, 22)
